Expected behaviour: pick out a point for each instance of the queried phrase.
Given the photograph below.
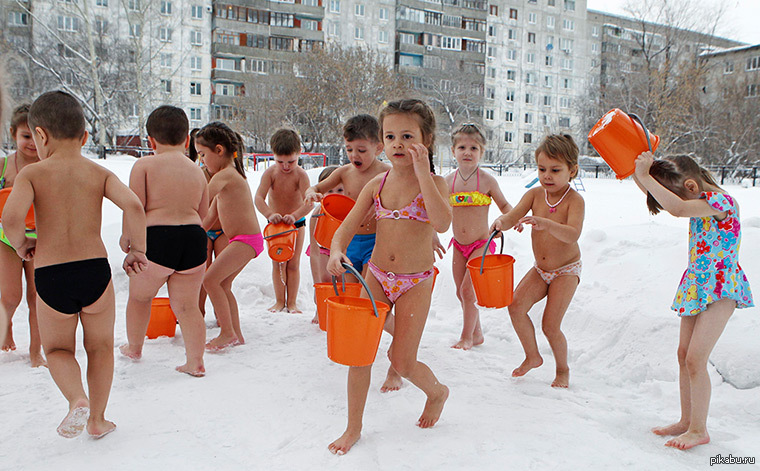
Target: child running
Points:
(471, 195)
(280, 198)
(12, 268)
(410, 205)
(232, 208)
(72, 274)
(174, 194)
(712, 286)
(557, 220)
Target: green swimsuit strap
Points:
(2, 176)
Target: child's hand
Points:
(26, 250)
(334, 265)
(539, 224)
(496, 226)
(275, 218)
(289, 219)
(124, 243)
(313, 197)
(420, 160)
(643, 164)
(438, 248)
(518, 227)
(135, 262)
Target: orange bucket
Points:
(492, 277)
(619, 138)
(281, 241)
(29, 221)
(323, 291)
(354, 326)
(162, 319)
(436, 271)
(335, 208)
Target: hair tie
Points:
(234, 155)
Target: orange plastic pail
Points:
(619, 138)
(335, 208)
(492, 277)
(281, 241)
(436, 271)
(162, 319)
(323, 291)
(29, 221)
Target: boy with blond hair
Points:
(72, 274)
(280, 198)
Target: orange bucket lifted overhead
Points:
(619, 138)
(29, 221)
(335, 208)
(322, 291)
(492, 277)
(354, 326)
(162, 319)
(281, 241)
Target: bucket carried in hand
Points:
(335, 208)
(492, 277)
(619, 138)
(162, 319)
(29, 221)
(281, 241)
(322, 291)
(354, 326)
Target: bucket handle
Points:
(280, 233)
(352, 270)
(646, 131)
(485, 249)
(335, 286)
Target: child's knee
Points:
(10, 300)
(403, 366)
(682, 352)
(550, 330)
(695, 364)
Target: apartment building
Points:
(733, 70)
(16, 36)
(362, 23)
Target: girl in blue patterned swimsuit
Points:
(712, 286)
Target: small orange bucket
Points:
(281, 241)
(492, 277)
(354, 327)
(436, 271)
(29, 221)
(162, 319)
(323, 291)
(335, 208)
(619, 138)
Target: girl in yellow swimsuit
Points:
(472, 191)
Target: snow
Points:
(276, 402)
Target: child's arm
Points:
(669, 201)
(14, 214)
(261, 198)
(134, 222)
(567, 233)
(305, 209)
(203, 206)
(498, 196)
(512, 218)
(315, 193)
(348, 228)
(434, 190)
(137, 185)
(212, 215)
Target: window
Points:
(529, 77)
(547, 100)
(408, 60)
(196, 38)
(311, 25)
(166, 60)
(510, 96)
(334, 29)
(568, 24)
(527, 138)
(406, 38)
(65, 51)
(490, 93)
(511, 54)
(594, 47)
(133, 5)
(513, 13)
(195, 88)
(753, 90)
(528, 118)
(134, 110)
(134, 31)
(195, 114)
(491, 52)
(383, 13)
(491, 31)
(729, 68)
(528, 98)
(532, 18)
(595, 31)
(570, 5)
(310, 3)
(166, 85)
(532, 38)
(281, 19)
(551, 3)
(225, 89)
(258, 66)
(101, 26)
(448, 42)
(566, 44)
(507, 136)
(196, 12)
(489, 114)
(567, 83)
(511, 75)
(335, 6)
(549, 61)
(493, 10)
(166, 8)
(545, 120)
(227, 64)
(68, 23)
(564, 122)
(753, 63)
(509, 117)
(101, 3)
(491, 72)
(358, 32)
(359, 9)
(18, 18)
(564, 102)
(567, 64)
(196, 63)
(165, 34)
(530, 58)
(281, 44)
(548, 81)
(382, 36)
(511, 34)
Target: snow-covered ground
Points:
(276, 402)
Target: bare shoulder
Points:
(450, 177)
(575, 198)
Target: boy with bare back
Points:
(285, 184)
(72, 274)
(174, 193)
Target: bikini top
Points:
(468, 198)
(414, 211)
(2, 176)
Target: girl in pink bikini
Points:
(232, 208)
(471, 195)
(410, 207)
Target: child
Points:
(12, 268)
(174, 193)
(410, 206)
(470, 198)
(231, 208)
(71, 269)
(557, 219)
(285, 184)
(712, 286)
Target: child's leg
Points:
(560, 294)
(686, 331)
(707, 330)
(11, 290)
(227, 264)
(209, 259)
(143, 287)
(529, 291)
(293, 276)
(471, 332)
(358, 386)
(279, 282)
(35, 344)
(234, 310)
(183, 288)
(411, 314)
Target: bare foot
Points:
(130, 353)
(433, 408)
(99, 429)
(477, 339)
(527, 365)
(74, 422)
(277, 307)
(561, 379)
(392, 382)
(220, 343)
(197, 371)
(9, 344)
(463, 344)
(673, 429)
(315, 319)
(37, 359)
(688, 440)
(294, 310)
(344, 443)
